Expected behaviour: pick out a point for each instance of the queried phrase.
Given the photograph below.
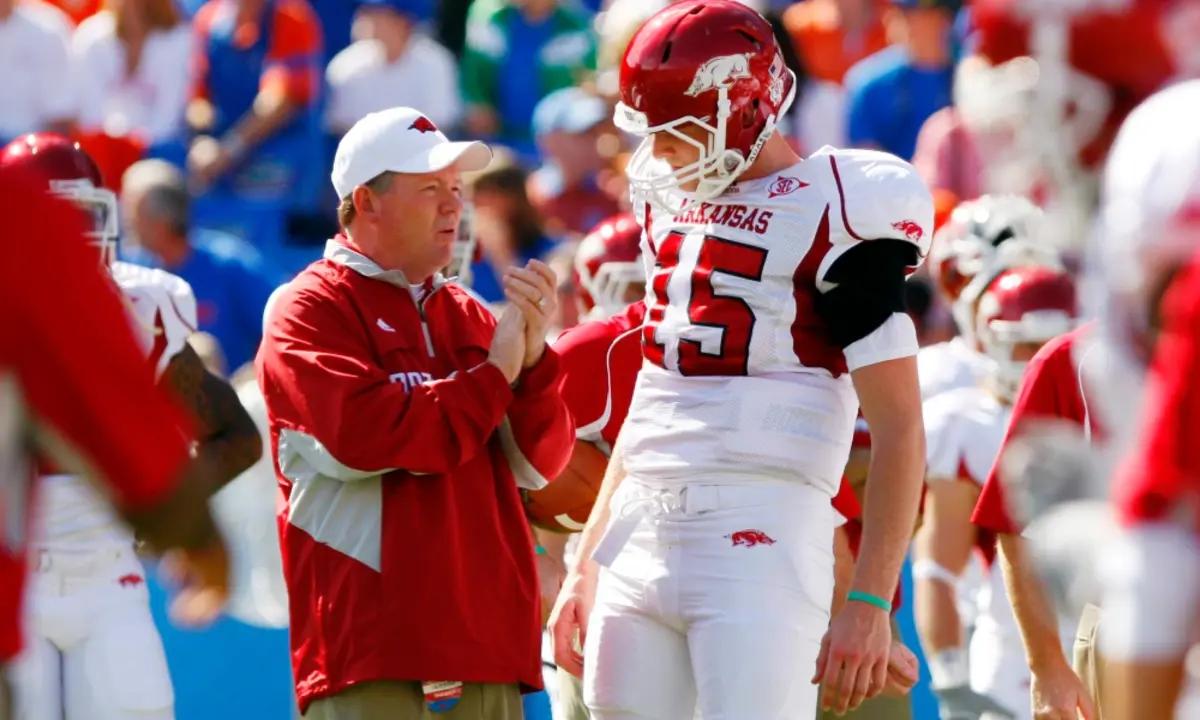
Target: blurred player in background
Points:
(94, 651)
(1019, 309)
(1150, 230)
(103, 419)
(775, 306)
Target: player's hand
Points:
(508, 343)
(207, 161)
(202, 576)
(853, 663)
(569, 619)
(533, 290)
(1058, 694)
(960, 702)
(903, 670)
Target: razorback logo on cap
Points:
(423, 124)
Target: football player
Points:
(93, 650)
(601, 358)
(1150, 229)
(962, 248)
(1019, 310)
(774, 308)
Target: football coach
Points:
(403, 416)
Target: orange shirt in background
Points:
(815, 27)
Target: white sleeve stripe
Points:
(895, 338)
(594, 428)
(524, 473)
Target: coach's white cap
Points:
(402, 140)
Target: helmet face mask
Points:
(713, 65)
(99, 205)
(462, 252)
(609, 272)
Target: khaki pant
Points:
(395, 700)
(1087, 662)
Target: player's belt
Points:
(628, 517)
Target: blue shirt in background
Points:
(485, 281)
(520, 91)
(888, 99)
(232, 282)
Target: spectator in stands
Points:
(832, 35)
(392, 62)
(506, 224)
(255, 113)
(571, 190)
(37, 88)
(891, 93)
(229, 277)
(131, 61)
(519, 51)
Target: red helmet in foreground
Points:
(59, 165)
(713, 64)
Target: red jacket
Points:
(398, 449)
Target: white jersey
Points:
(964, 429)
(741, 379)
(950, 365)
(71, 513)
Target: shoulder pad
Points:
(874, 195)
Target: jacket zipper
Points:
(424, 324)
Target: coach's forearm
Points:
(890, 507)
(614, 474)
(1034, 614)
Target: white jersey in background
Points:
(949, 365)
(964, 429)
(741, 379)
(71, 513)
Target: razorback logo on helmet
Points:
(785, 185)
(423, 125)
(719, 72)
(910, 229)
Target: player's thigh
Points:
(36, 680)
(757, 611)
(120, 671)
(755, 662)
(635, 665)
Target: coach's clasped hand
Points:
(532, 289)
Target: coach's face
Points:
(418, 221)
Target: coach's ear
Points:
(365, 205)
(868, 288)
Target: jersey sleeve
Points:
(92, 403)
(179, 315)
(874, 196)
(1050, 375)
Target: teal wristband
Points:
(868, 598)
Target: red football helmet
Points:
(67, 171)
(1023, 306)
(712, 63)
(608, 265)
(971, 235)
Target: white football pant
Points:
(91, 649)
(716, 603)
(1000, 671)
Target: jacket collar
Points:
(336, 251)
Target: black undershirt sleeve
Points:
(870, 281)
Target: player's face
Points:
(674, 150)
(418, 221)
